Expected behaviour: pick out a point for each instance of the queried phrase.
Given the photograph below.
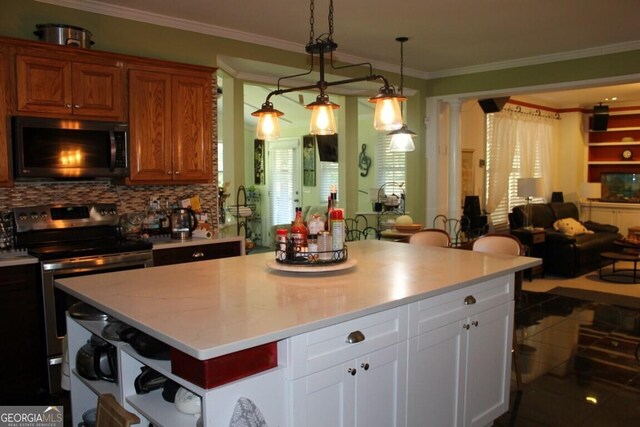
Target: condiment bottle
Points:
(299, 233)
(281, 243)
(337, 233)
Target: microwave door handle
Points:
(112, 160)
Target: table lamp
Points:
(590, 191)
(528, 188)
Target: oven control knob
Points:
(113, 212)
(43, 215)
(103, 212)
(34, 215)
(23, 216)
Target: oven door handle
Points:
(112, 151)
(99, 262)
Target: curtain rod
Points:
(535, 113)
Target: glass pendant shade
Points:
(268, 127)
(323, 121)
(388, 115)
(402, 140)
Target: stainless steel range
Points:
(73, 240)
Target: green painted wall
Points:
(19, 18)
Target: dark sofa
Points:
(565, 255)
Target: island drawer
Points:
(196, 253)
(431, 313)
(330, 346)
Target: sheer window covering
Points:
(518, 146)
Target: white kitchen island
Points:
(431, 332)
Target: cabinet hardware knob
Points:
(177, 172)
(466, 326)
(169, 172)
(67, 105)
(197, 255)
(355, 336)
(352, 371)
(475, 323)
(469, 300)
(365, 366)
(76, 106)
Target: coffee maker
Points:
(183, 222)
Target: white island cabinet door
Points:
(436, 377)
(326, 398)
(381, 387)
(488, 365)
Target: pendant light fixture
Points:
(387, 116)
(402, 139)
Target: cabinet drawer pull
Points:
(352, 371)
(355, 336)
(466, 326)
(365, 366)
(469, 300)
(475, 323)
(197, 255)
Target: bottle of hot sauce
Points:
(299, 233)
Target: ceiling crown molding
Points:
(186, 25)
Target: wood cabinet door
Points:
(44, 85)
(150, 126)
(326, 398)
(5, 176)
(488, 365)
(191, 117)
(381, 387)
(435, 376)
(98, 91)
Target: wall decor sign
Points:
(309, 160)
(258, 162)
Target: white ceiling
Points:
(446, 37)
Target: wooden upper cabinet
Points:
(170, 127)
(191, 117)
(63, 87)
(150, 126)
(5, 176)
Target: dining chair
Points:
(357, 228)
(454, 227)
(506, 244)
(431, 237)
(111, 414)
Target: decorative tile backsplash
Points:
(128, 198)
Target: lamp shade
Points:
(402, 140)
(591, 190)
(388, 115)
(323, 121)
(529, 187)
(268, 127)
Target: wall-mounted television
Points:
(620, 187)
(328, 147)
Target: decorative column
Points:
(455, 165)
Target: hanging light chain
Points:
(311, 22)
(331, 20)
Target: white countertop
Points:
(211, 308)
(14, 257)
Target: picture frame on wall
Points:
(309, 160)
(258, 162)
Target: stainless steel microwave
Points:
(46, 148)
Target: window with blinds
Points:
(281, 183)
(329, 176)
(500, 215)
(390, 167)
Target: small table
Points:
(616, 275)
(533, 242)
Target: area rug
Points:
(595, 296)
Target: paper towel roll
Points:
(199, 232)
